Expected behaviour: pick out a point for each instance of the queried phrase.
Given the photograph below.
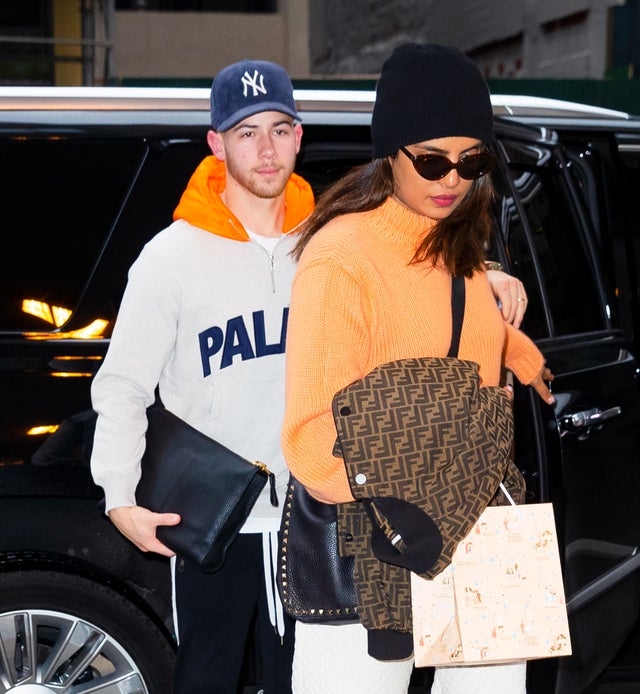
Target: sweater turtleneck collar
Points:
(394, 220)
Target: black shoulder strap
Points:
(457, 313)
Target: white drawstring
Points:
(270, 561)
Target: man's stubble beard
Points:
(262, 189)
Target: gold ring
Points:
(520, 298)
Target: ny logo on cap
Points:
(256, 83)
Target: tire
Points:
(66, 634)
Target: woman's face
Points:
(433, 199)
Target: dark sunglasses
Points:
(433, 167)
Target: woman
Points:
(373, 286)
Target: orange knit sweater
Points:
(357, 303)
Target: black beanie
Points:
(426, 92)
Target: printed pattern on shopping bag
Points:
(501, 599)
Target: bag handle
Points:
(458, 295)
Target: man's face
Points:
(260, 152)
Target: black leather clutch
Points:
(211, 487)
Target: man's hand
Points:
(139, 525)
(510, 292)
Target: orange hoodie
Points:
(202, 206)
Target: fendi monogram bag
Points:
(421, 433)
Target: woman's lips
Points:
(444, 200)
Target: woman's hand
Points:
(539, 385)
(510, 292)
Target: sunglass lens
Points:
(474, 166)
(432, 166)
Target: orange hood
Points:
(202, 206)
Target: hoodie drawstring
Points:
(270, 560)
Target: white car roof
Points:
(353, 105)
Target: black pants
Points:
(215, 613)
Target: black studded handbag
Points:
(315, 582)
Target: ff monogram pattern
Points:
(423, 431)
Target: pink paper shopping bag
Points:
(501, 598)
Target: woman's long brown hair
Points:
(459, 241)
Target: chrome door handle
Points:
(581, 422)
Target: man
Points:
(203, 317)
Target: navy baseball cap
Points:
(247, 87)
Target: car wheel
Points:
(66, 634)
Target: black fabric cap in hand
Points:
(412, 540)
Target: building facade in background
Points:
(533, 39)
(98, 42)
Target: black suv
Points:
(88, 175)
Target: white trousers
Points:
(333, 659)
(509, 678)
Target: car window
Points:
(161, 180)
(605, 168)
(629, 149)
(628, 227)
(547, 245)
(329, 151)
(63, 196)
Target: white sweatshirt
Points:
(204, 316)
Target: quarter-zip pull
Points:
(271, 257)
(272, 265)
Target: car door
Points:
(85, 205)
(64, 193)
(582, 454)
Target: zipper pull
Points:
(272, 482)
(272, 263)
(274, 494)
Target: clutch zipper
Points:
(272, 481)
